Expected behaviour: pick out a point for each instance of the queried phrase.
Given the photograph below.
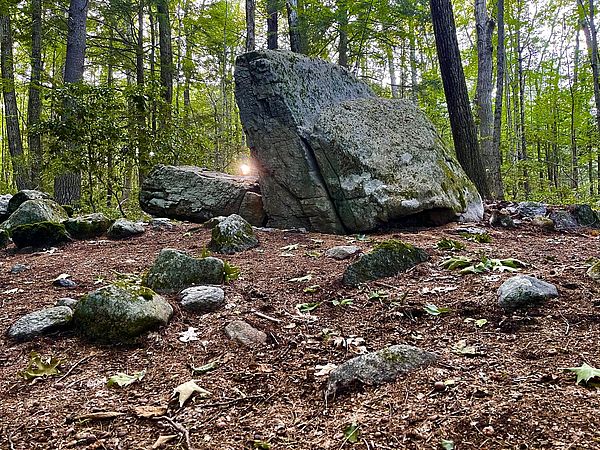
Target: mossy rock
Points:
(88, 226)
(387, 259)
(39, 235)
(33, 211)
(4, 238)
(585, 216)
(231, 235)
(175, 270)
(22, 196)
(119, 314)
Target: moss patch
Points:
(40, 234)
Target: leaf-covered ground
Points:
(504, 383)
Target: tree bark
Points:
(34, 103)
(523, 154)
(589, 29)
(166, 53)
(574, 89)
(250, 25)
(464, 132)
(11, 112)
(497, 187)
(294, 26)
(272, 25)
(392, 68)
(342, 13)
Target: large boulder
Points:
(175, 270)
(39, 235)
(33, 211)
(22, 196)
(195, 194)
(332, 157)
(120, 314)
(88, 226)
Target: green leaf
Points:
(376, 295)
(584, 372)
(312, 289)
(205, 368)
(262, 445)
(480, 322)
(313, 254)
(301, 279)
(40, 368)
(230, 272)
(307, 307)
(342, 302)
(447, 445)
(122, 379)
(456, 262)
(450, 245)
(434, 310)
(352, 433)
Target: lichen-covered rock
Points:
(202, 299)
(231, 235)
(87, 226)
(196, 194)
(532, 209)
(39, 235)
(563, 220)
(66, 301)
(120, 314)
(545, 223)
(40, 322)
(523, 291)
(585, 216)
(4, 199)
(245, 334)
(175, 270)
(387, 259)
(123, 228)
(383, 366)
(22, 196)
(333, 158)
(33, 211)
(342, 252)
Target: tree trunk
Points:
(483, 100)
(523, 155)
(464, 132)
(589, 29)
(250, 25)
(573, 90)
(342, 13)
(294, 26)
(272, 25)
(413, 64)
(166, 54)
(34, 105)
(392, 67)
(497, 186)
(67, 186)
(11, 112)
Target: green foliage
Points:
(41, 367)
(434, 310)
(307, 307)
(450, 245)
(230, 272)
(352, 433)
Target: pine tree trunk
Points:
(11, 112)
(589, 29)
(250, 25)
(272, 25)
(497, 187)
(34, 105)
(464, 132)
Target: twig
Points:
(183, 430)
(81, 361)
(567, 322)
(264, 316)
(10, 441)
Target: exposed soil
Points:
(513, 395)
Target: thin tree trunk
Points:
(392, 67)
(524, 157)
(166, 55)
(573, 89)
(413, 65)
(497, 186)
(589, 29)
(294, 26)
(34, 104)
(11, 111)
(250, 25)
(272, 25)
(464, 132)
(140, 100)
(153, 66)
(342, 13)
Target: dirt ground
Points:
(513, 394)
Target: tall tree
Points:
(497, 185)
(34, 105)
(272, 24)
(464, 132)
(166, 53)
(342, 22)
(589, 29)
(294, 26)
(250, 25)
(13, 132)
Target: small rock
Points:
(22, 196)
(532, 209)
(123, 228)
(66, 301)
(202, 299)
(245, 334)
(18, 268)
(545, 223)
(40, 322)
(39, 234)
(161, 223)
(502, 219)
(523, 291)
(379, 367)
(213, 222)
(87, 226)
(476, 231)
(342, 252)
(64, 283)
(232, 235)
(563, 220)
(387, 259)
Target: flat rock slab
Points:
(523, 291)
(379, 367)
(245, 334)
(40, 322)
(342, 252)
(202, 299)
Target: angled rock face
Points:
(334, 158)
(194, 194)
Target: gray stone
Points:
(202, 299)
(232, 235)
(175, 270)
(563, 220)
(162, 223)
(342, 252)
(66, 301)
(211, 223)
(64, 283)
(22, 196)
(196, 194)
(4, 199)
(123, 228)
(40, 322)
(252, 209)
(545, 223)
(379, 367)
(39, 234)
(594, 271)
(18, 268)
(333, 158)
(502, 219)
(387, 259)
(120, 314)
(532, 209)
(523, 291)
(34, 211)
(245, 334)
(585, 216)
(87, 226)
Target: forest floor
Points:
(512, 394)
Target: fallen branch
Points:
(78, 363)
(180, 428)
(264, 316)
